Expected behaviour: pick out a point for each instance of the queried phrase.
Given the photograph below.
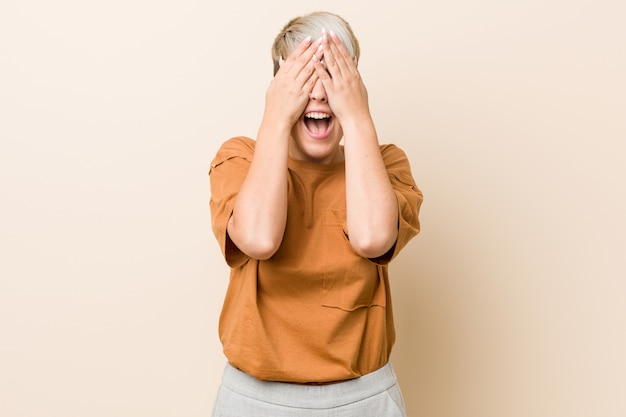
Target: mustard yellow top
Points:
(315, 311)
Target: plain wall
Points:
(510, 303)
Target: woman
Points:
(308, 226)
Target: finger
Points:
(341, 47)
(310, 83)
(320, 65)
(330, 59)
(290, 62)
(340, 54)
(304, 51)
(301, 48)
(304, 63)
(319, 52)
(311, 55)
(323, 76)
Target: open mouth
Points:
(318, 124)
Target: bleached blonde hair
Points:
(313, 25)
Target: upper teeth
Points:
(317, 115)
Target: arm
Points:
(259, 216)
(371, 205)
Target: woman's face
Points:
(316, 135)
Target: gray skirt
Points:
(374, 395)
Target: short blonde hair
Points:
(313, 25)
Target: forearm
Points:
(372, 208)
(259, 217)
(258, 221)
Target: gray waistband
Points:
(310, 396)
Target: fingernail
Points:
(307, 39)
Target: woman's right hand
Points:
(288, 93)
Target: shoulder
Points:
(397, 164)
(392, 154)
(240, 146)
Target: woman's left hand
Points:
(347, 95)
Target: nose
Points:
(318, 93)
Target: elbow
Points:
(255, 243)
(261, 249)
(374, 246)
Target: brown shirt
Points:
(315, 311)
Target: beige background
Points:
(510, 303)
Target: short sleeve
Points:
(408, 195)
(227, 173)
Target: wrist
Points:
(279, 125)
(357, 125)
